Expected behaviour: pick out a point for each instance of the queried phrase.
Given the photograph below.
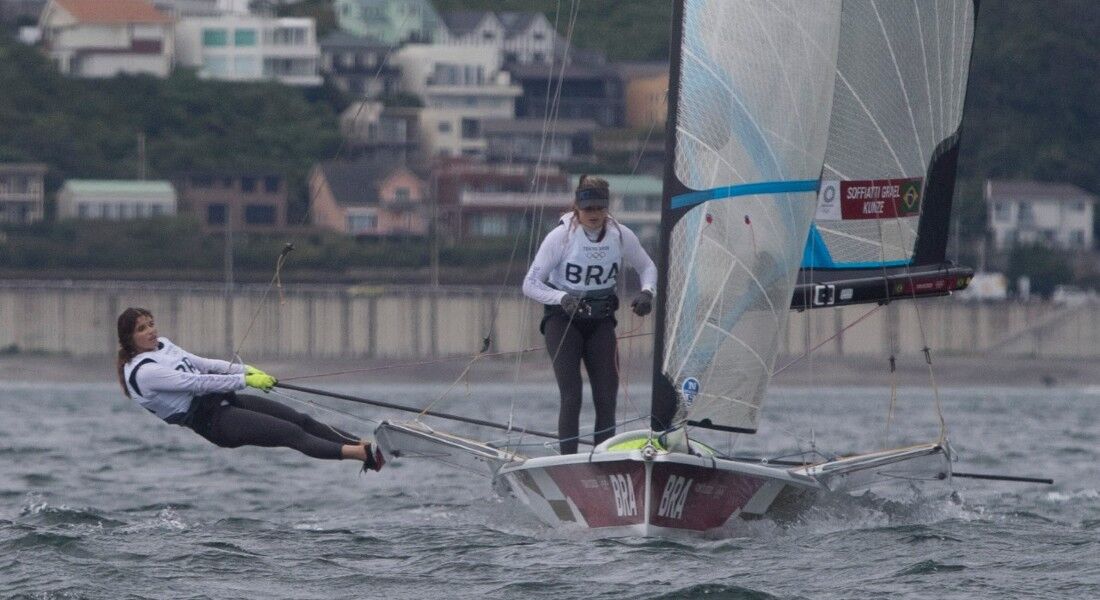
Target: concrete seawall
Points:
(317, 322)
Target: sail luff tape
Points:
(745, 189)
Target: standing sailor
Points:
(574, 275)
(198, 393)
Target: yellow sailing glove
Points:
(256, 378)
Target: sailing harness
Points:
(594, 306)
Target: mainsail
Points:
(752, 91)
(880, 229)
(846, 114)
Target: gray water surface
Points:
(100, 500)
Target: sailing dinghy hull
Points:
(667, 495)
(655, 493)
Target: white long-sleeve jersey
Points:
(165, 380)
(569, 263)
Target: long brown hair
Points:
(127, 322)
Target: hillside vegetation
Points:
(90, 128)
(1031, 108)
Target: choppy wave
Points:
(145, 506)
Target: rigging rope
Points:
(892, 338)
(809, 352)
(923, 336)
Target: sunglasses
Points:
(594, 209)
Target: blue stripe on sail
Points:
(745, 189)
(817, 256)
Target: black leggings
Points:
(231, 421)
(594, 342)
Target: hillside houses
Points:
(427, 96)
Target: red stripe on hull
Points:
(607, 494)
(610, 494)
(697, 498)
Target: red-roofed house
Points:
(102, 38)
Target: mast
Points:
(664, 400)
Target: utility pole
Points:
(228, 293)
(141, 155)
(433, 229)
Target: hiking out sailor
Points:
(200, 394)
(574, 275)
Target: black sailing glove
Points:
(643, 303)
(570, 304)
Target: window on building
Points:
(445, 74)
(362, 223)
(488, 36)
(215, 38)
(1025, 214)
(444, 127)
(1077, 239)
(288, 36)
(271, 184)
(248, 184)
(246, 66)
(244, 37)
(1001, 212)
(156, 210)
(538, 57)
(83, 211)
(215, 65)
(105, 211)
(490, 225)
(215, 214)
(259, 214)
(471, 129)
(202, 181)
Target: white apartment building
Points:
(115, 200)
(1056, 215)
(460, 87)
(521, 37)
(94, 38)
(244, 47)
